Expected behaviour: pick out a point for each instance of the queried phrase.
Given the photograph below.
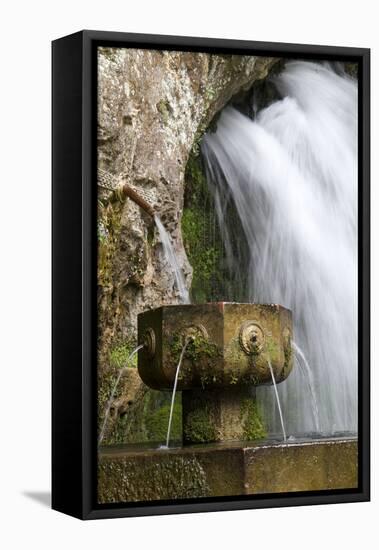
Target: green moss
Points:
(196, 181)
(199, 427)
(117, 359)
(213, 280)
(119, 355)
(108, 380)
(251, 418)
(272, 349)
(131, 427)
(176, 346)
(287, 356)
(157, 423)
(203, 254)
(108, 229)
(150, 477)
(202, 260)
(204, 354)
(200, 347)
(146, 420)
(200, 352)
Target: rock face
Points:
(153, 108)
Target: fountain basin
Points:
(128, 474)
(230, 345)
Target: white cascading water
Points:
(292, 176)
(170, 257)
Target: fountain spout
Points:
(128, 191)
(109, 182)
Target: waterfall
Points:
(291, 175)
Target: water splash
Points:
(307, 371)
(291, 176)
(174, 393)
(111, 398)
(171, 258)
(277, 400)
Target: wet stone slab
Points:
(138, 474)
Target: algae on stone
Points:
(202, 244)
(251, 419)
(199, 427)
(150, 478)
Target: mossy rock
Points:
(199, 427)
(251, 419)
(157, 423)
(119, 356)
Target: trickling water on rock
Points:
(171, 258)
(292, 177)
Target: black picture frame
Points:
(74, 273)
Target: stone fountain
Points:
(230, 350)
(230, 346)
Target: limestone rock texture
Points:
(153, 108)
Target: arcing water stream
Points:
(303, 364)
(113, 392)
(277, 399)
(174, 393)
(291, 174)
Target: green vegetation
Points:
(202, 259)
(199, 351)
(204, 354)
(119, 356)
(146, 420)
(199, 427)
(251, 418)
(157, 423)
(213, 280)
(108, 228)
(272, 349)
(201, 347)
(202, 246)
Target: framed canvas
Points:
(210, 274)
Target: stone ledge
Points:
(213, 470)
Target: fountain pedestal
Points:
(230, 414)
